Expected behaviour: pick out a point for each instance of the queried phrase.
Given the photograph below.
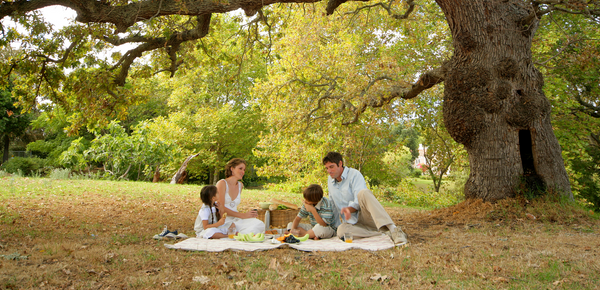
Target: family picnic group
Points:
(350, 208)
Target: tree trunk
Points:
(6, 146)
(156, 177)
(216, 175)
(493, 100)
(177, 178)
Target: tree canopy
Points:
(370, 55)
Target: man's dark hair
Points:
(333, 157)
(313, 193)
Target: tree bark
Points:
(156, 177)
(493, 100)
(216, 175)
(177, 178)
(6, 147)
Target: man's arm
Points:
(347, 211)
(357, 183)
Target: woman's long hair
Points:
(232, 164)
(206, 195)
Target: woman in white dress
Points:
(229, 197)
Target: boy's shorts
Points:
(319, 230)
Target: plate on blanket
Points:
(252, 241)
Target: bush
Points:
(60, 173)
(289, 186)
(408, 194)
(26, 165)
(416, 173)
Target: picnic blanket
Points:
(376, 243)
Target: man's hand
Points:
(347, 211)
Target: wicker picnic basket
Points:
(280, 217)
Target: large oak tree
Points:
(493, 101)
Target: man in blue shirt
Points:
(361, 213)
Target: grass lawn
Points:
(90, 234)
(423, 184)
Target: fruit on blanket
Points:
(291, 239)
(257, 238)
(251, 237)
(303, 239)
(240, 237)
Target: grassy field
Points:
(89, 234)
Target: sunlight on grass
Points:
(87, 233)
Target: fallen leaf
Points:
(457, 270)
(274, 265)
(240, 283)
(556, 283)
(201, 279)
(501, 280)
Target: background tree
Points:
(493, 102)
(13, 122)
(568, 54)
(52, 122)
(122, 156)
(217, 135)
(442, 154)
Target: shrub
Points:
(26, 165)
(60, 173)
(408, 194)
(416, 173)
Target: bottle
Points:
(267, 220)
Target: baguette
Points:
(290, 205)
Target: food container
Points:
(279, 218)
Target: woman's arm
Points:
(251, 213)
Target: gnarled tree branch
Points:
(426, 81)
(172, 44)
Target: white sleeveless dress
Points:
(208, 233)
(244, 226)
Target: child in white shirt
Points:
(210, 224)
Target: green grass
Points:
(424, 185)
(53, 223)
(30, 187)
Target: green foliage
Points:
(587, 176)
(442, 153)
(121, 155)
(23, 165)
(53, 122)
(406, 193)
(59, 173)
(217, 134)
(13, 121)
(396, 162)
(319, 75)
(572, 88)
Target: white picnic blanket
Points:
(377, 243)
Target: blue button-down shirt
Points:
(344, 193)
